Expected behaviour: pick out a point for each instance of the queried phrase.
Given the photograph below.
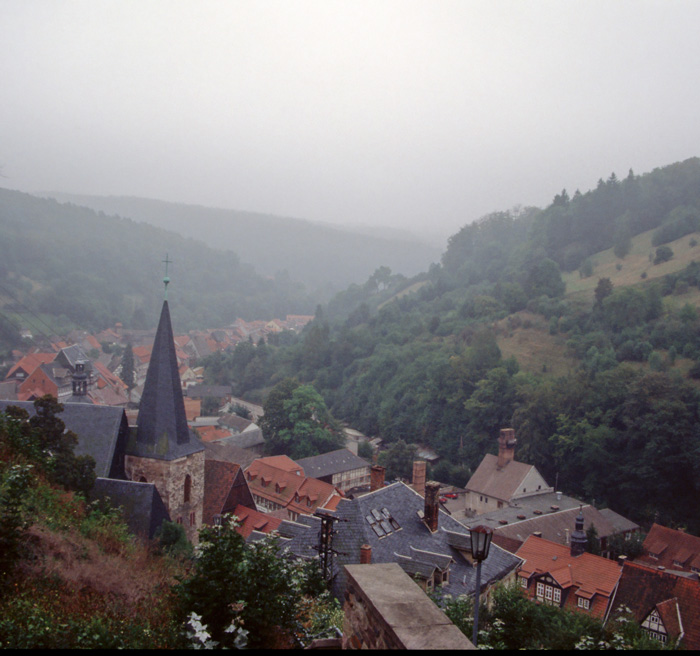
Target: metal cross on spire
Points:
(166, 279)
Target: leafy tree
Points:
(236, 587)
(398, 460)
(603, 289)
(297, 422)
(663, 254)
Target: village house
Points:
(671, 549)
(342, 469)
(568, 577)
(501, 480)
(665, 604)
(279, 485)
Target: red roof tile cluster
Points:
(672, 549)
(587, 576)
(30, 362)
(279, 480)
(211, 433)
(676, 599)
(225, 489)
(253, 520)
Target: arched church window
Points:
(188, 487)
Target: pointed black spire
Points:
(162, 430)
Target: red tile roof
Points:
(225, 489)
(676, 598)
(30, 362)
(254, 520)
(588, 576)
(212, 433)
(281, 481)
(675, 549)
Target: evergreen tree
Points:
(128, 367)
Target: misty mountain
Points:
(324, 258)
(65, 266)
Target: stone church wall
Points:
(169, 477)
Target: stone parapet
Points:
(385, 609)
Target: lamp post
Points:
(481, 541)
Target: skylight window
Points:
(382, 523)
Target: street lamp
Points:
(481, 541)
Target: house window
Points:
(548, 592)
(540, 590)
(523, 581)
(188, 487)
(584, 603)
(557, 595)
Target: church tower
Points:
(164, 451)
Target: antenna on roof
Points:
(166, 279)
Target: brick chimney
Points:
(365, 554)
(419, 473)
(506, 446)
(376, 478)
(432, 505)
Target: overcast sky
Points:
(419, 114)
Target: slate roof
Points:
(162, 431)
(221, 450)
(333, 462)
(671, 547)
(102, 432)
(643, 588)
(553, 524)
(216, 391)
(142, 506)
(407, 539)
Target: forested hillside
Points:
(72, 266)
(325, 258)
(438, 363)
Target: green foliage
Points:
(680, 222)
(235, 586)
(297, 423)
(172, 539)
(14, 481)
(663, 254)
(127, 374)
(398, 460)
(514, 622)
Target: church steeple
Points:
(162, 430)
(163, 450)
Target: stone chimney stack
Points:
(506, 446)
(376, 478)
(419, 474)
(365, 554)
(432, 505)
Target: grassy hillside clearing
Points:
(638, 261)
